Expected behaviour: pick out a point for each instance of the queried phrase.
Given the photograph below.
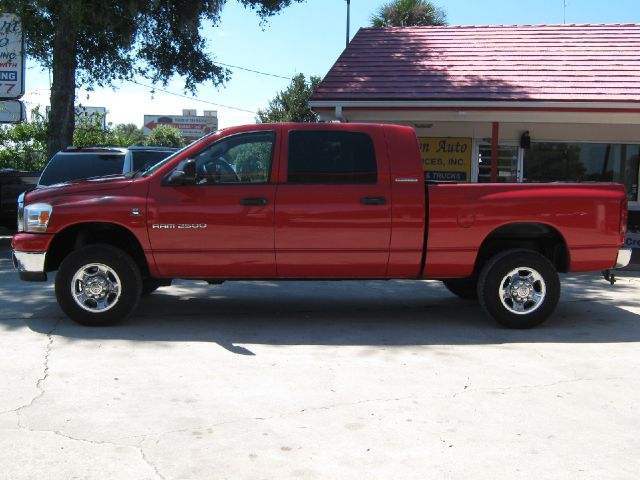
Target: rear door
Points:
(333, 203)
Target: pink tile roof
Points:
(488, 63)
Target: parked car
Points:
(75, 163)
(12, 183)
(314, 201)
(140, 158)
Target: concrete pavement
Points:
(274, 380)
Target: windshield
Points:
(158, 165)
(64, 167)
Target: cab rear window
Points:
(331, 157)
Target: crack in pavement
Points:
(545, 385)
(148, 462)
(41, 391)
(45, 374)
(138, 446)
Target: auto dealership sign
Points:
(446, 159)
(12, 58)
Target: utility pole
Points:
(348, 20)
(564, 11)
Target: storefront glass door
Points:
(509, 163)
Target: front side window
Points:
(243, 158)
(584, 162)
(333, 157)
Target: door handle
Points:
(254, 201)
(373, 201)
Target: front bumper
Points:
(624, 257)
(30, 265)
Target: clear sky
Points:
(305, 38)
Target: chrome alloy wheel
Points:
(522, 291)
(96, 287)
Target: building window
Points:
(583, 162)
(331, 157)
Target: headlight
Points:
(36, 217)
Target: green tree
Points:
(252, 161)
(94, 43)
(24, 145)
(408, 13)
(292, 104)
(165, 136)
(128, 134)
(91, 132)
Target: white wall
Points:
(598, 133)
(547, 125)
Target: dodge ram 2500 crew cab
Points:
(313, 201)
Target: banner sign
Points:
(191, 127)
(446, 159)
(12, 57)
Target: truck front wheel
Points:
(519, 288)
(98, 285)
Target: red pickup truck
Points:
(313, 201)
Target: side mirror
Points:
(184, 174)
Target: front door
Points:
(221, 226)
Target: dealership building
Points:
(523, 103)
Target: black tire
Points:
(150, 285)
(98, 285)
(466, 288)
(519, 288)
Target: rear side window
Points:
(331, 157)
(74, 166)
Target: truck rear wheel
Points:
(519, 288)
(98, 285)
(466, 288)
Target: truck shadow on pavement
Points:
(236, 315)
